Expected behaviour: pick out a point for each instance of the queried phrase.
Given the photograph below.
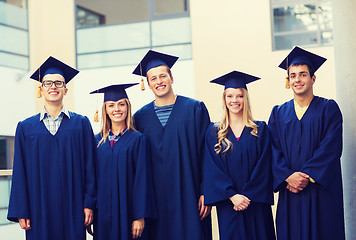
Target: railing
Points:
(5, 183)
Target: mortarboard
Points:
(299, 55)
(153, 59)
(235, 79)
(114, 92)
(54, 66)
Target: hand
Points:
(89, 229)
(240, 202)
(25, 224)
(292, 189)
(88, 216)
(137, 227)
(203, 210)
(298, 181)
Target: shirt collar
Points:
(120, 134)
(44, 113)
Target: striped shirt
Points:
(163, 113)
(114, 138)
(53, 124)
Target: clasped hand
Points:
(240, 202)
(297, 182)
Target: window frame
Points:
(291, 3)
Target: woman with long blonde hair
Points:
(237, 174)
(124, 184)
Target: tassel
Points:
(39, 95)
(287, 83)
(142, 85)
(96, 116)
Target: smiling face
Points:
(160, 81)
(53, 94)
(117, 111)
(300, 80)
(234, 100)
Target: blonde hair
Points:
(106, 121)
(223, 143)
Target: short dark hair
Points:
(311, 71)
(168, 71)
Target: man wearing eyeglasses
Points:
(53, 184)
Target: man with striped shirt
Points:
(175, 127)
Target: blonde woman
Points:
(124, 184)
(237, 176)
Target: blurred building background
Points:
(106, 39)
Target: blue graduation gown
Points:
(312, 145)
(177, 161)
(53, 178)
(244, 169)
(125, 190)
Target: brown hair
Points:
(311, 71)
(168, 71)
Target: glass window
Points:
(115, 33)
(87, 18)
(301, 22)
(16, 40)
(14, 32)
(14, 61)
(111, 58)
(5, 183)
(94, 12)
(170, 6)
(184, 51)
(6, 152)
(13, 13)
(6, 163)
(3, 161)
(114, 37)
(291, 40)
(164, 34)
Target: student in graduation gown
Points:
(175, 126)
(237, 170)
(307, 145)
(124, 187)
(53, 190)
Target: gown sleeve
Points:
(202, 121)
(90, 159)
(218, 186)
(280, 168)
(19, 199)
(259, 186)
(144, 205)
(325, 160)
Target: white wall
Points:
(16, 99)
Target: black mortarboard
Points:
(299, 55)
(54, 66)
(235, 79)
(154, 59)
(114, 92)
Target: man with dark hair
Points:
(307, 145)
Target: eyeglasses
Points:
(49, 83)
